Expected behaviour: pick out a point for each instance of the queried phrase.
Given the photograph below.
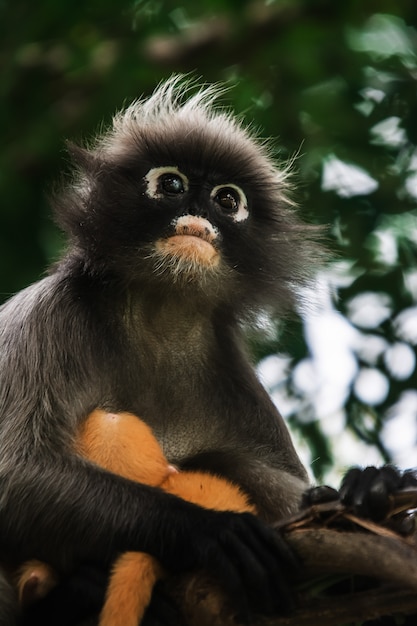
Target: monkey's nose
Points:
(196, 226)
(197, 211)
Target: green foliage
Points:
(334, 81)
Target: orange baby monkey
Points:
(123, 444)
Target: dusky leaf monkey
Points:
(179, 231)
(125, 445)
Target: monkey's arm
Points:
(253, 448)
(72, 512)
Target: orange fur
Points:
(190, 248)
(123, 444)
(130, 589)
(193, 241)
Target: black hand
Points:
(319, 495)
(368, 490)
(251, 561)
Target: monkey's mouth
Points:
(193, 239)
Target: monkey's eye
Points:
(165, 181)
(171, 184)
(228, 199)
(232, 201)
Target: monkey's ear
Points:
(85, 160)
(70, 200)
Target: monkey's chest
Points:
(184, 427)
(184, 413)
(175, 389)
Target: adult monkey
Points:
(179, 230)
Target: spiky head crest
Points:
(171, 107)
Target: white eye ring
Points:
(153, 177)
(242, 212)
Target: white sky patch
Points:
(349, 451)
(286, 404)
(370, 93)
(345, 179)
(334, 425)
(411, 185)
(305, 377)
(340, 274)
(273, 370)
(369, 309)
(410, 282)
(388, 133)
(400, 430)
(400, 360)
(371, 347)
(371, 386)
(327, 334)
(413, 162)
(402, 226)
(405, 325)
(371, 97)
(386, 247)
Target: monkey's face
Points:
(193, 244)
(199, 220)
(186, 209)
(177, 195)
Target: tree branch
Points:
(331, 542)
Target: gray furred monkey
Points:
(179, 231)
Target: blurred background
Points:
(336, 84)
